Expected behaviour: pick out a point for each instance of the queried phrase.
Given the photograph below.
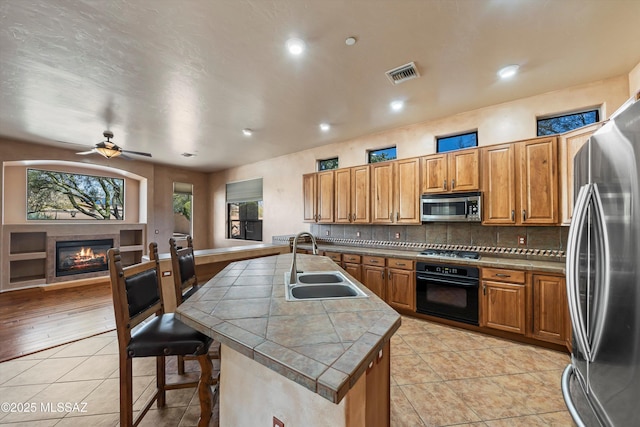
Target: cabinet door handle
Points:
(524, 215)
(319, 217)
(444, 185)
(391, 217)
(513, 215)
(401, 264)
(382, 275)
(484, 289)
(397, 216)
(502, 275)
(389, 275)
(373, 261)
(453, 184)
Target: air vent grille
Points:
(403, 73)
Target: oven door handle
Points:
(473, 284)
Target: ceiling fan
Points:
(109, 149)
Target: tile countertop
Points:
(323, 345)
(554, 267)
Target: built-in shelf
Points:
(21, 243)
(28, 270)
(27, 255)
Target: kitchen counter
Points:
(324, 346)
(553, 267)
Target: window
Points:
(61, 195)
(456, 142)
(182, 209)
(244, 210)
(566, 122)
(327, 164)
(382, 155)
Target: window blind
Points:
(244, 191)
(182, 188)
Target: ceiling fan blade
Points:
(84, 153)
(139, 153)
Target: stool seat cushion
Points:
(165, 335)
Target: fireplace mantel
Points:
(28, 251)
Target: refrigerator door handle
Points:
(573, 258)
(566, 393)
(601, 300)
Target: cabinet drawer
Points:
(356, 259)
(502, 275)
(335, 256)
(404, 264)
(373, 260)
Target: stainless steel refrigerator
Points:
(601, 386)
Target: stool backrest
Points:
(136, 291)
(183, 263)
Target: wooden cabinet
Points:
(520, 183)
(373, 275)
(310, 197)
(352, 265)
(318, 197)
(550, 311)
(335, 256)
(503, 300)
(378, 389)
(451, 172)
(568, 145)
(395, 192)
(401, 285)
(352, 192)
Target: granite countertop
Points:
(323, 345)
(555, 267)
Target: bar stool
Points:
(137, 300)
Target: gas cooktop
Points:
(451, 253)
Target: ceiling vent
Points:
(403, 73)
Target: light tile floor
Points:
(440, 376)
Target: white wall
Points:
(282, 176)
(634, 81)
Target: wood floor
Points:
(36, 319)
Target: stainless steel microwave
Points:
(462, 207)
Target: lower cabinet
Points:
(378, 410)
(503, 300)
(373, 275)
(352, 265)
(401, 285)
(550, 312)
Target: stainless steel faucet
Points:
(294, 271)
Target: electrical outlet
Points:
(397, 235)
(357, 234)
(166, 273)
(522, 240)
(277, 422)
(326, 233)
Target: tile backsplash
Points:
(467, 234)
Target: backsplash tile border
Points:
(531, 253)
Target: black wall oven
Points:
(447, 291)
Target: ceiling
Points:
(175, 76)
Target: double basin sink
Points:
(313, 285)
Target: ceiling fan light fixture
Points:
(108, 152)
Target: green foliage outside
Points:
(61, 195)
(182, 205)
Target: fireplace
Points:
(81, 256)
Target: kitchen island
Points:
(312, 363)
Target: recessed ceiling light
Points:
(508, 71)
(247, 132)
(295, 46)
(397, 105)
(350, 41)
(324, 127)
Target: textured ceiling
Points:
(174, 76)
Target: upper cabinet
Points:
(395, 192)
(520, 183)
(309, 196)
(352, 191)
(568, 145)
(318, 195)
(451, 172)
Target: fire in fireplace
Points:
(82, 256)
